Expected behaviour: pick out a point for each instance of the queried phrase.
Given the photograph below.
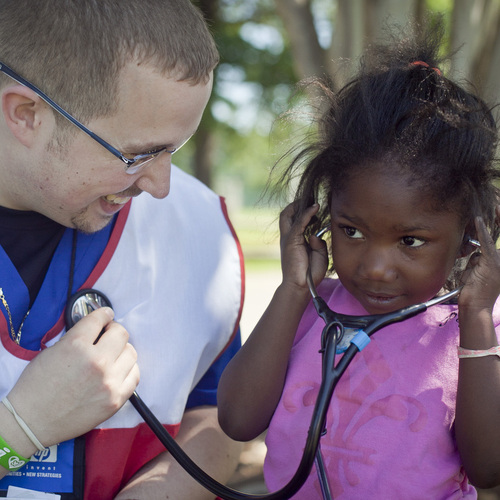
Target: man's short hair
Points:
(74, 50)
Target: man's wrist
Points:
(12, 433)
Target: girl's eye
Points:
(352, 232)
(412, 241)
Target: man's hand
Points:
(75, 385)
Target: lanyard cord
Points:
(72, 265)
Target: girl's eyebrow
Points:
(400, 228)
(411, 228)
(353, 219)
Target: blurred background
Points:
(267, 47)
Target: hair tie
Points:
(423, 63)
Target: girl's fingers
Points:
(485, 260)
(289, 225)
(488, 247)
(286, 218)
(308, 215)
(482, 275)
(297, 254)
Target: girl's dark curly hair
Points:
(400, 110)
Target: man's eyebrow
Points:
(145, 148)
(136, 148)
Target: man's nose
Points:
(155, 179)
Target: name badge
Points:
(58, 469)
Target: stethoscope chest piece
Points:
(83, 303)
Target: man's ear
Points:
(22, 110)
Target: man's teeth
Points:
(116, 200)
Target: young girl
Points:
(403, 176)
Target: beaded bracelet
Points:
(471, 353)
(10, 459)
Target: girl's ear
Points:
(469, 234)
(465, 249)
(22, 110)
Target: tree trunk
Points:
(307, 53)
(203, 157)
(202, 166)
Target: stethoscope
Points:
(341, 334)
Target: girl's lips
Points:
(380, 296)
(381, 302)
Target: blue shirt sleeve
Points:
(205, 393)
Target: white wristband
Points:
(480, 353)
(23, 424)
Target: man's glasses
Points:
(132, 163)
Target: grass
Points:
(257, 230)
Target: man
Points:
(96, 96)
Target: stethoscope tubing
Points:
(205, 479)
(331, 374)
(310, 450)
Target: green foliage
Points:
(443, 6)
(253, 86)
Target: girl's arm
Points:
(478, 399)
(251, 385)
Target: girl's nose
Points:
(379, 264)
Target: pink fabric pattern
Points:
(390, 421)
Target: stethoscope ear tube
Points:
(331, 375)
(206, 480)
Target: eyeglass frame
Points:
(129, 162)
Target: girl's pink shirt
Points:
(390, 421)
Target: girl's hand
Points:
(482, 276)
(296, 253)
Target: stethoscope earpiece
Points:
(474, 243)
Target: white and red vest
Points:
(173, 271)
